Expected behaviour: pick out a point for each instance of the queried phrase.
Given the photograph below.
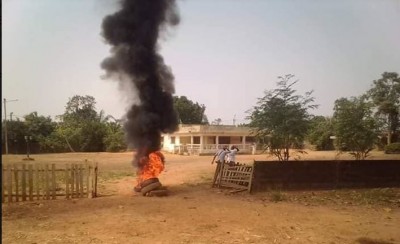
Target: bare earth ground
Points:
(196, 213)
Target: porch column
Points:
(244, 142)
(178, 143)
(201, 143)
(191, 145)
(217, 141)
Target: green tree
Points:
(82, 128)
(189, 112)
(39, 127)
(115, 139)
(320, 131)
(17, 130)
(280, 119)
(217, 121)
(385, 95)
(354, 126)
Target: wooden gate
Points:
(238, 177)
(28, 182)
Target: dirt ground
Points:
(196, 213)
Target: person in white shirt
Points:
(221, 155)
(232, 155)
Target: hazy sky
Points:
(224, 54)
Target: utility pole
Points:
(234, 119)
(5, 122)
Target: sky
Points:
(224, 54)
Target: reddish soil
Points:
(196, 213)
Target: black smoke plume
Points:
(133, 32)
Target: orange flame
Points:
(152, 166)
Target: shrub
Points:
(392, 148)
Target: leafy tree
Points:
(80, 108)
(82, 128)
(354, 126)
(217, 121)
(16, 130)
(114, 140)
(39, 127)
(385, 94)
(280, 118)
(55, 142)
(189, 112)
(320, 131)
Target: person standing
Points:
(232, 155)
(220, 155)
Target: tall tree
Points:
(354, 126)
(39, 128)
(17, 130)
(280, 118)
(114, 140)
(385, 94)
(189, 112)
(80, 108)
(217, 121)
(320, 131)
(82, 127)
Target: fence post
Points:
(16, 182)
(76, 181)
(53, 181)
(81, 171)
(72, 180)
(23, 182)
(87, 179)
(9, 185)
(47, 181)
(67, 180)
(37, 183)
(2, 183)
(30, 180)
(94, 191)
(251, 178)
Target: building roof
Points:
(186, 129)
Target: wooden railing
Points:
(195, 149)
(28, 182)
(239, 176)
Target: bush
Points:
(392, 148)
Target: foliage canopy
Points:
(280, 119)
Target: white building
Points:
(206, 139)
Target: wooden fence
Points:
(28, 182)
(238, 177)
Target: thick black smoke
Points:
(133, 33)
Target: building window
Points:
(250, 139)
(172, 139)
(224, 140)
(196, 139)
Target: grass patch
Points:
(114, 175)
(358, 197)
(277, 196)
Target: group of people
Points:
(226, 155)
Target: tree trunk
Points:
(69, 145)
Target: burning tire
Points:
(150, 187)
(149, 181)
